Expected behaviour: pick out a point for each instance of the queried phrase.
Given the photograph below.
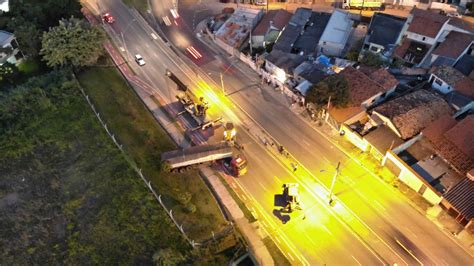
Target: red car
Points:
(108, 18)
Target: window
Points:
(439, 82)
(424, 38)
(374, 49)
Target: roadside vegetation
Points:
(140, 5)
(67, 194)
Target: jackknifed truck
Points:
(180, 160)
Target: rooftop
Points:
(286, 61)
(466, 64)
(292, 30)
(461, 197)
(383, 139)
(453, 141)
(411, 51)
(447, 74)
(454, 44)
(414, 111)
(274, 18)
(5, 37)
(426, 23)
(384, 29)
(462, 24)
(381, 76)
(338, 27)
(312, 31)
(361, 87)
(236, 29)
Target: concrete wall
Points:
(421, 38)
(355, 138)
(388, 123)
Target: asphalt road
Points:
(385, 225)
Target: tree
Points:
(334, 86)
(27, 35)
(371, 59)
(167, 256)
(73, 42)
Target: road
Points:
(371, 223)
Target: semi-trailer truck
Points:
(182, 159)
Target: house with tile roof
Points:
(292, 30)
(459, 201)
(453, 141)
(409, 114)
(364, 93)
(382, 77)
(446, 79)
(269, 28)
(384, 34)
(465, 64)
(451, 49)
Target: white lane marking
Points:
(233, 185)
(411, 232)
(277, 240)
(306, 143)
(166, 20)
(379, 205)
(289, 255)
(326, 229)
(154, 36)
(264, 223)
(243, 196)
(356, 260)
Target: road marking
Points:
(167, 21)
(233, 185)
(356, 260)
(154, 36)
(408, 251)
(326, 229)
(305, 142)
(243, 196)
(122, 49)
(277, 240)
(379, 205)
(408, 229)
(289, 255)
(264, 223)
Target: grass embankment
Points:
(144, 140)
(67, 195)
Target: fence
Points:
(139, 172)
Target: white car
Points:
(139, 60)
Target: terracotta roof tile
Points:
(454, 141)
(414, 111)
(426, 23)
(361, 87)
(454, 44)
(465, 87)
(279, 18)
(447, 73)
(462, 23)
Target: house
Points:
(270, 27)
(459, 201)
(446, 79)
(337, 33)
(232, 34)
(384, 34)
(364, 93)
(382, 77)
(424, 28)
(451, 49)
(9, 47)
(409, 114)
(309, 73)
(292, 30)
(453, 141)
(279, 67)
(302, 34)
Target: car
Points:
(108, 18)
(139, 59)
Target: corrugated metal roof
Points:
(461, 196)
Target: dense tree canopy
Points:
(335, 87)
(72, 43)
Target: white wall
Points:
(443, 87)
(419, 38)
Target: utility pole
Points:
(331, 191)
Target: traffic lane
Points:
(320, 236)
(181, 36)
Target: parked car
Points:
(106, 17)
(139, 59)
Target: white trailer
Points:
(361, 4)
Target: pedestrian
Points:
(295, 167)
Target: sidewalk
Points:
(255, 242)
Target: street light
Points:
(334, 178)
(123, 39)
(222, 76)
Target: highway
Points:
(371, 222)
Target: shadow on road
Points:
(284, 218)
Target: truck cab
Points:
(237, 165)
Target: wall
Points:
(443, 87)
(330, 48)
(355, 138)
(257, 41)
(419, 38)
(431, 196)
(388, 123)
